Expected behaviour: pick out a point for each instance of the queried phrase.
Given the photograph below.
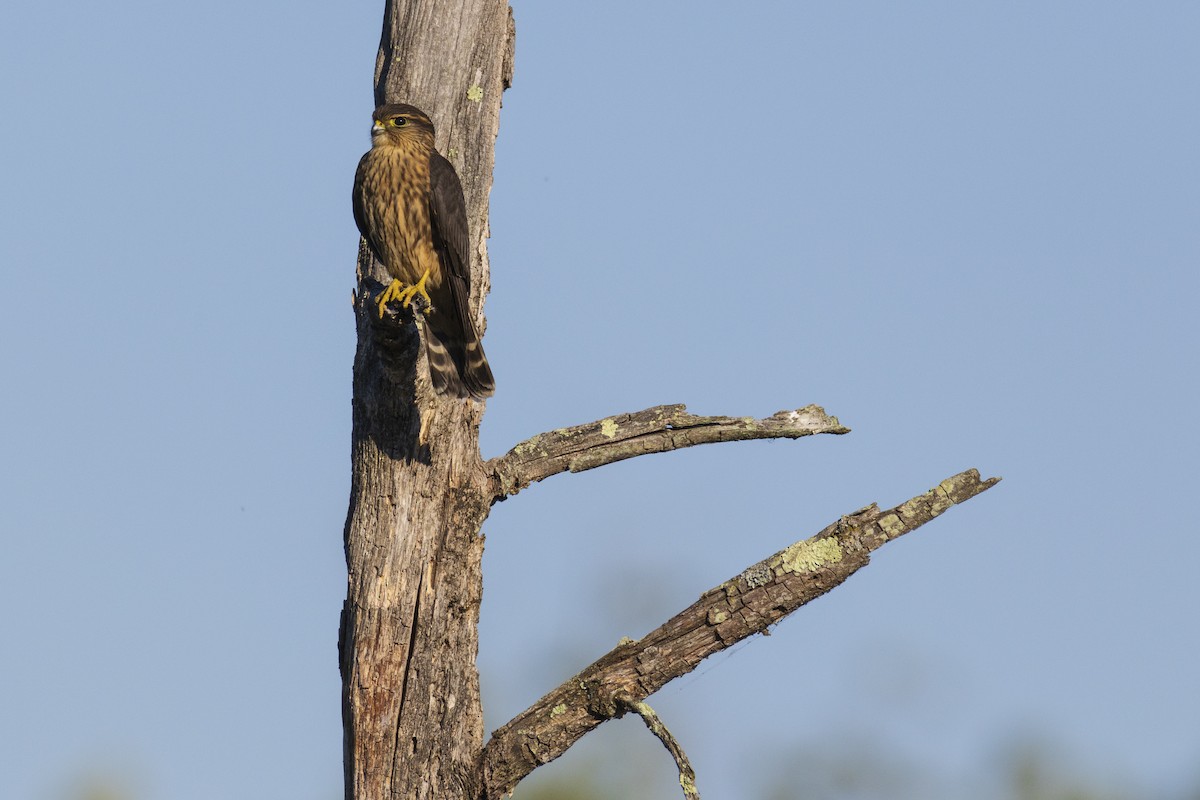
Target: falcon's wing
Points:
(448, 214)
(453, 327)
(359, 218)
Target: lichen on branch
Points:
(654, 430)
(749, 603)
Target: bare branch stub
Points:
(655, 430)
(749, 603)
(687, 775)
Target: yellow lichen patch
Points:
(717, 615)
(926, 506)
(892, 526)
(608, 428)
(810, 555)
(558, 710)
(475, 93)
(945, 492)
(525, 447)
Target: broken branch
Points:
(655, 430)
(759, 597)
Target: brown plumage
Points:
(408, 203)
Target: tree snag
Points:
(413, 726)
(420, 492)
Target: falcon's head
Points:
(400, 124)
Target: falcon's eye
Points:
(399, 122)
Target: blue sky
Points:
(968, 230)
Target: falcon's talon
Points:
(406, 296)
(421, 306)
(393, 292)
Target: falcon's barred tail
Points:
(457, 369)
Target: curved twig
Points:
(750, 603)
(687, 775)
(655, 430)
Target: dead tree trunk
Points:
(411, 708)
(420, 493)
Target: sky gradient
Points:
(970, 231)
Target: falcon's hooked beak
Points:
(376, 128)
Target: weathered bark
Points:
(411, 710)
(749, 603)
(655, 430)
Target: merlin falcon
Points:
(408, 203)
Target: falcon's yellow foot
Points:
(392, 292)
(406, 294)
